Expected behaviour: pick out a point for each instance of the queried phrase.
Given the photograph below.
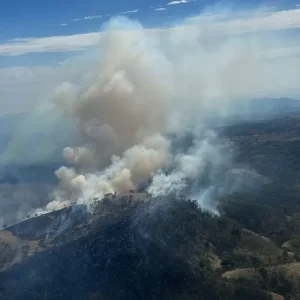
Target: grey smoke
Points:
(200, 172)
(137, 96)
(18, 200)
(125, 100)
(128, 97)
(143, 87)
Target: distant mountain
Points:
(31, 145)
(263, 108)
(34, 137)
(40, 136)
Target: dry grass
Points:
(252, 244)
(276, 296)
(215, 261)
(13, 250)
(248, 274)
(288, 271)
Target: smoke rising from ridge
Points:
(137, 95)
(125, 101)
(123, 174)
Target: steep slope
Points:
(158, 249)
(134, 247)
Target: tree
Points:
(263, 272)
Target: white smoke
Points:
(123, 102)
(198, 173)
(137, 94)
(123, 174)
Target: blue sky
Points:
(41, 18)
(34, 18)
(37, 37)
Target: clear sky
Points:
(37, 36)
(34, 18)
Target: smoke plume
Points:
(124, 102)
(138, 94)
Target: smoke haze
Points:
(144, 87)
(139, 94)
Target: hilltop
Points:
(137, 247)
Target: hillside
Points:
(167, 248)
(123, 252)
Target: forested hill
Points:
(168, 248)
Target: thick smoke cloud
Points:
(125, 100)
(199, 172)
(122, 175)
(144, 88)
(142, 85)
